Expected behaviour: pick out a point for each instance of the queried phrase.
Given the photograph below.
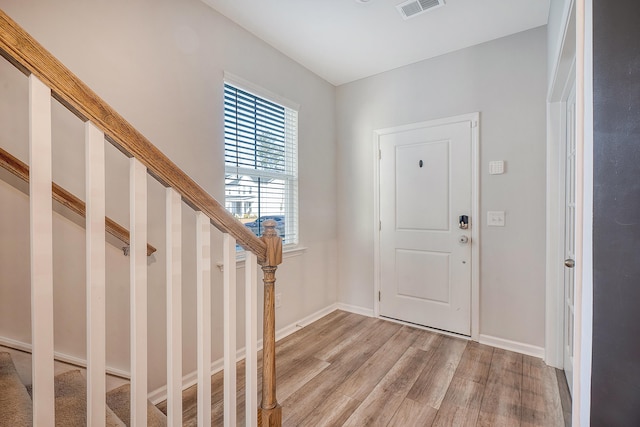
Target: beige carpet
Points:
(71, 402)
(15, 403)
(120, 401)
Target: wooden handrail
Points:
(66, 199)
(22, 50)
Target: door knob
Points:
(463, 239)
(569, 263)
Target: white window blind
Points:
(261, 171)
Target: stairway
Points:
(70, 402)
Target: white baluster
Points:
(95, 253)
(203, 268)
(40, 217)
(174, 307)
(138, 298)
(229, 304)
(251, 340)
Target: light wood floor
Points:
(351, 370)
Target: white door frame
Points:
(561, 80)
(474, 119)
(577, 42)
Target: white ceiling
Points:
(343, 40)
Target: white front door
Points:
(425, 255)
(569, 236)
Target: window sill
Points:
(287, 252)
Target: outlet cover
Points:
(495, 218)
(496, 167)
(278, 300)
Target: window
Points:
(261, 171)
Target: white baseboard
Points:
(518, 347)
(61, 357)
(160, 394)
(355, 309)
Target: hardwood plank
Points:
(316, 398)
(334, 336)
(461, 403)
(541, 404)
(427, 340)
(413, 414)
(565, 396)
(475, 362)
(291, 379)
(431, 386)
(334, 411)
(362, 381)
(309, 396)
(502, 395)
(382, 403)
(300, 343)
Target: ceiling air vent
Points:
(412, 8)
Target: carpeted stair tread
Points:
(71, 401)
(15, 403)
(119, 400)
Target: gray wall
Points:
(505, 80)
(615, 370)
(160, 63)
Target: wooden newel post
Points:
(270, 413)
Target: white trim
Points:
(559, 86)
(138, 292)
(229, 301)
(41, 251)
(257, 90)
(95, 274)
(251, 340)
(560, 52)
(160, 394)
(554, 281)
(474, 118)
(305, 321)
(583, 325)
(518, 347)
(173, 277)
(356, 309)
(60, 357)
(203, 317)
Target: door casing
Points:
(474, 119)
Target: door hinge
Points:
(380, 226)
(379, 296)
(474, 123)
(379, 154)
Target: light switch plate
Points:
(496, 167)
(495, 218)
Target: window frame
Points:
(290, 176)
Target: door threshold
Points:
(426, 328)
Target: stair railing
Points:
(66, 199)
(49, 78)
